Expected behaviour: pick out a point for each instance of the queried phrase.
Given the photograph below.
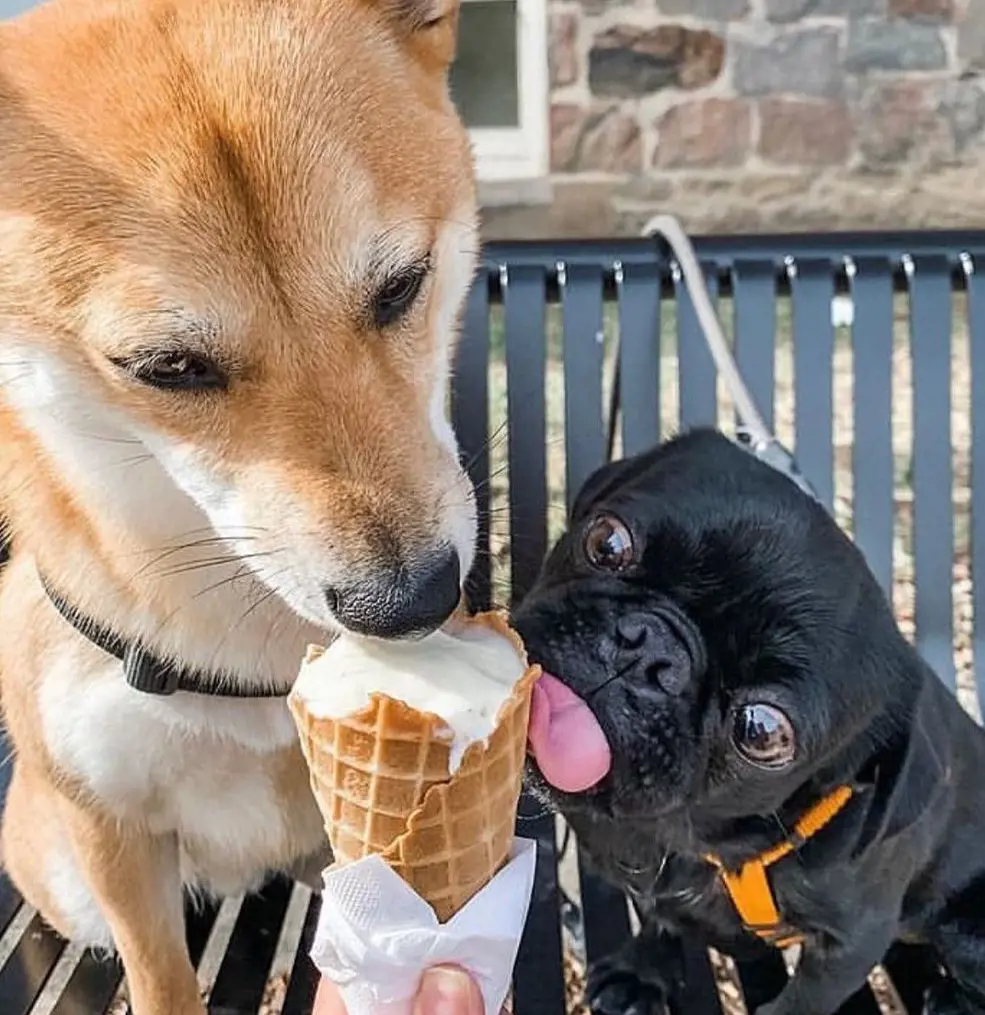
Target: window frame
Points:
(521, 153)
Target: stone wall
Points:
(762, 115)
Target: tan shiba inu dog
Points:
(235, 237)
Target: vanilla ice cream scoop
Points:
(463, 676)
(416, 752)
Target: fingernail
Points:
(446, 991)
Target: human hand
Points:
(444, 990)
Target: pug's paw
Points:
(776, 1007)
(619, 986)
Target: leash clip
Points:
(774, 454)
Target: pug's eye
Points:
(609, 544)
(763, 735)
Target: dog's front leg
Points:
(959, 939)
(829, 973)
(641, 977)
(135, 877)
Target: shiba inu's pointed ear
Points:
(430, 27)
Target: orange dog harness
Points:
(749, 888)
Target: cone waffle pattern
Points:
(381, 778)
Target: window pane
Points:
(484, 77)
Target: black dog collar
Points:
(146, 672)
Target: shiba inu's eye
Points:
(609, 544)
(397, 295)
(175, 370)
(763, 735)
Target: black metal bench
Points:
(610, 328)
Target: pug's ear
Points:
(601, 483)
(908, 782)
(429, 28)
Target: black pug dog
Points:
(785, 767)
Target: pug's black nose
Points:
(649, 651)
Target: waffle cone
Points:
(382, 781)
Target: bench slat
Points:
(538, 980)
(862, 1002)
(584, 349)
(10, 902)
(303, 981)
(199, 921)
(762, 980)
(976, 340)
(26, 971)
(933, 512)
(639, 356)
(754, 285)
(605, 914)
(812, 290)
(10, 899)
(872, 445)
(911, 969)
(242, 976)
(91, 987)
(525, 371)
(470, 417)
(700, 995)
(697, 377)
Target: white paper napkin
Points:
(376, 936)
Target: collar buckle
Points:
(147, 674)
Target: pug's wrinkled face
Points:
(716, 621)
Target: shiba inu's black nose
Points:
(411, 600)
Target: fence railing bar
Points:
(470, 417)
(813, 340)
(639, 357)
(725, 251)
(697, 374)
(754, 292)
(584, 354)
(872, 438)
(933, 512)
(525, 378)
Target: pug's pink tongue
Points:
(565, 737)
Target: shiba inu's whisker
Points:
(190, 545)
(201, 565)
(243, 571)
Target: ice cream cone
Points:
(383, 781)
